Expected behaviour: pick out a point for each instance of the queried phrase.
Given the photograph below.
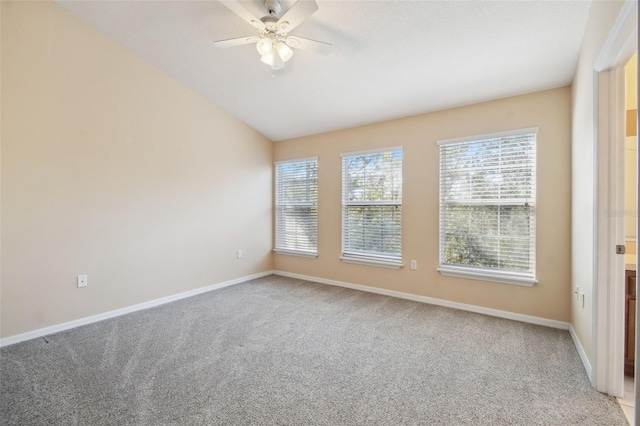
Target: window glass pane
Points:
(487, 204)
(297, 228)
(501, 168)
(374, 177)
(372, 205)
(495, 237)
(374, 230)
(296, 189)
(297, 182)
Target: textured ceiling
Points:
(390, 59)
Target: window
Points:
(297, 207)
(487, 207)
(372, 207)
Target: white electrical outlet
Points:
(414, 264)
(239, 254)
(82, 281)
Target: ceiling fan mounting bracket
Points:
(273, 7)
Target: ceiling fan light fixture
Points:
(284, 51)
(265, 46)
(268, 58)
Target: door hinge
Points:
(620, 249)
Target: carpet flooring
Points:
(280, 351)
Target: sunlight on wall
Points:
(631, 152)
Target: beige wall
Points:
(601, 19)
(110, 168)
(550, 110)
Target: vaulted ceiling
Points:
(390, 58)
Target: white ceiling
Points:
(391, 58)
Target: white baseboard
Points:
(433, 301)
(423, 299)
(123, 311)
(581, 352)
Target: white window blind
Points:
(487, 205)
(372, 207)
(296, 200)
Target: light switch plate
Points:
(82, 281)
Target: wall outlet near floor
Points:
(414, 264)
(82, 281)
(239, 254)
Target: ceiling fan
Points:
(273, 40)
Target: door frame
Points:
(608, 289)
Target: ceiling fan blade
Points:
(310, 45)
(232, 42)
(300, 11)
(242, 12)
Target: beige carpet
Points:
(279, 351)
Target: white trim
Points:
(295, 160)
(504, 134)
(374, 203)
(581, 352)
(617, 262)
(494, 202)
(622, 39)
(296, 253)
(372, 151)
(433, 301)
(596, 223)
(608, 297)
(123, 311)
(461, 272)
(372, 262)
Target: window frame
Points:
(287, 251)
(479, 273)
(364, 259)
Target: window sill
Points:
(307, 254)
(373, 262)
(452, 271)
